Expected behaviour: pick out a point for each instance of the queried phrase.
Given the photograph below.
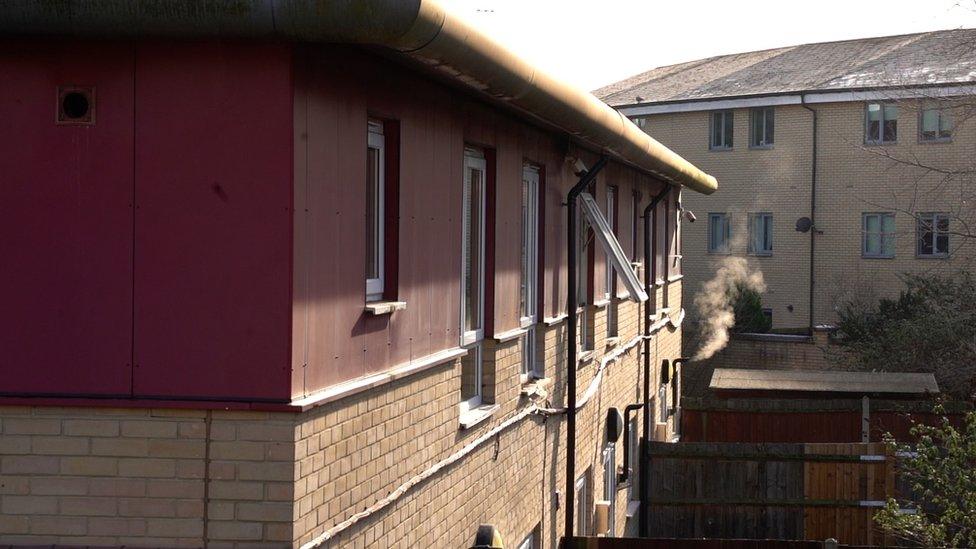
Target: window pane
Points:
(473, 224)
(769, 119)
(890, 123)
(925, 236)
(373, 193)
(524, 290)
(945, 124)
(757, 127)
(942, 235)
(471, 374)
(874, 123)
(528, 352)
(716, 139)
(728, 130)
(768, 233)
(930, 123)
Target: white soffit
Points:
(797, 99)
(612, 247)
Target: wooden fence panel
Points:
(768, 491)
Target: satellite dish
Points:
(804, 224)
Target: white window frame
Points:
(530, 246)
(726, 219)
(471, 339)
(933, 218)
(883, 237)
(377, 141)
(610, 486)
(634, 442)
(767, 218)
(529, 542)
(581, 493)
(475, 355)
(530, 271)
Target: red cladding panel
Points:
(65, 221)
(213, 232)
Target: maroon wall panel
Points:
(214, 224)
(65, 221)
(337, 90)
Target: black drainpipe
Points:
(813, 204)
(571, 306)
(650, 273)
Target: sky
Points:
(591, 43)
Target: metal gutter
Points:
(421, 29)
(794, 98)
(813, 209)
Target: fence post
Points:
(830, 543)
(865, 419)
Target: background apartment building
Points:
(268, 290)
(870, 139)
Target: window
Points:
(935, 124)
(528, 304)
(881, 123)
(761, 128)
(719, 233)
(375, 190)
(610, 485)
(472, 276)
(609, 283)
(585, 342)
(933, 235)
(529, 542)
(582, 501)
(761, 234)
(634, 459)
(878, 238)
(720, 130)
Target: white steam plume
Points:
(716, 300)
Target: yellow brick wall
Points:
(852, 178)
(160, 477)
(108, 476)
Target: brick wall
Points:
(852, 178)
(159, 477)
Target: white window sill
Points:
(632, 508)
(510, 335)
(676, 278)
(377, 308)
(601, 303)
(584, 357)
(535, 387)
(612, 341)
(553, 320)
(477, 415)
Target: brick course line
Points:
(489, 435)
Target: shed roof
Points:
(823, 381)
(924, 59)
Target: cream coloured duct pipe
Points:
(421, 29)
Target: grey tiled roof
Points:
(940, 57)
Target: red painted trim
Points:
(391, 211)
(490, 208)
